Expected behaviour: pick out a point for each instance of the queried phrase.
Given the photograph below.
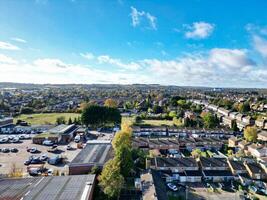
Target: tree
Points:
(124, 155)
(234, 126)
(244, 107)
(122, 137)
(157, 109)
(26, 110)
(95, 116)
(61, 120)
(110, 180)
(111, 103)
(70, 121)
(172, 114)
(196, 153)
(123, 151)
(210, 120)
(250, 134)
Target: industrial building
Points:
(95, 153)
(50, 188)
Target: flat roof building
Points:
(49, 188)
(95, 153)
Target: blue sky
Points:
(171, 42)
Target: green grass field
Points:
(46, 118)
(130, 120)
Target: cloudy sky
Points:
(170, 42)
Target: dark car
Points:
(27, 162)
(5, 150)
(14, 150)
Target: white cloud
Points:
(219, 67)
(199, 30)
(19, 40)
(8, 46)
(117, 62)
(260, 45)
(230, 58)
(214, 68)
(6, 59)
(49, 70)
(138, 16)
(88, 56)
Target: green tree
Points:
(210, 120)
(196, 153)
(124, 155)
(95, 116)
(110, 180)
(70, 121)
(250, 134)
(234, 126)
(61, 120)
(172, 114)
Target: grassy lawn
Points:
(130, 121)
(46, 118)
(157, 122)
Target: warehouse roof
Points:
(49, 188)
(97, 154)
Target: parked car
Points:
(27, 162)
(77, 139)
(15, 140)
(172, 187)
(14, 150)
(43, 157)
(69, 147)
(50, 172)
(54, 160)
(33, 150)
(5, 150)
(48, 143)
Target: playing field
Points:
(130, 120)
(46, 118)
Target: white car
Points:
(50, 172)
(172, 187)
(77, 139)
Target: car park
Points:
(172, 187)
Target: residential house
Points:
(255, 171)
(237, 167)
(248, 120)
(213, 107)
(181, 169)
(215, 169)
(233, 141)
(233, 115)
(244, 145)
(262, 136)
(261, 123)
(223, 111)
(257, 150)
(227, 121)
